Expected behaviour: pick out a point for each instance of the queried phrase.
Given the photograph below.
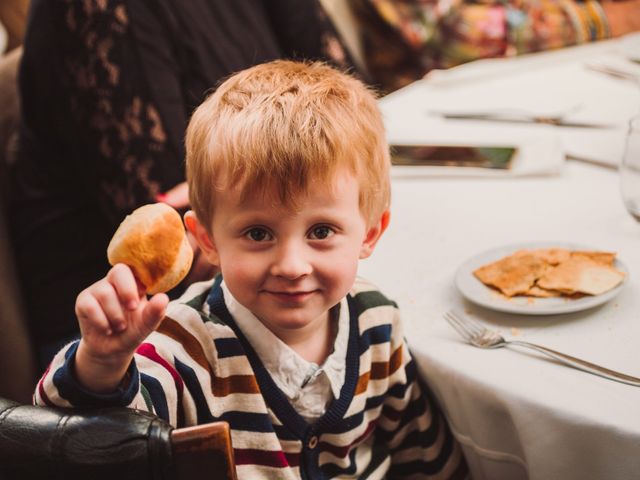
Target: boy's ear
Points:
(202, 237)
(374, 233)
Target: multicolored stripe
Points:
(198, 368)
(403, 40)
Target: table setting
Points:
(521, 413)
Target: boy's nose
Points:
(290, 262)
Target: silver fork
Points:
(477, 335)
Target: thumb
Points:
(154, 310)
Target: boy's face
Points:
(289, 267)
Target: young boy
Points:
(288, 173)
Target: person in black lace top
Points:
(107, 88)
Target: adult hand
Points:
(177, 197)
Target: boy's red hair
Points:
(287, 125)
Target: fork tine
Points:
(454, 324)
(463, 333)
(473, 325)
(459, 326)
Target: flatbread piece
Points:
(552, 272)
(581, 274)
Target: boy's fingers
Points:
(154, 310)
(122, 278)
(90, 314)
(106, 295)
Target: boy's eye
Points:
(321, 232)
(258, 234)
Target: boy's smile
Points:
(291, 297)
(287, 265)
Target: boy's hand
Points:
(115, 317)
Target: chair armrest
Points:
(203, 448)
(38, 443)
(55, 443)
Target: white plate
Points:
(477, 292)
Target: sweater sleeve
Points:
(104, 123)
(420, 442)
(404, 40)
(172, 374)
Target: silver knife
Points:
(518, 118)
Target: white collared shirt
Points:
(309, 387)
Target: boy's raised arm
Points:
(115, 317)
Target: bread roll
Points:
(152, 241)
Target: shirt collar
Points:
(288, 369)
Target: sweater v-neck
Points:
(275, 399)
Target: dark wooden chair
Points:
(38, 443)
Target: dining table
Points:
(516, 413)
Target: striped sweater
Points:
(198, 368)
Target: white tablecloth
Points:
(545, 83)
(518, 415)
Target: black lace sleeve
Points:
(115, 133)
(126, 75)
